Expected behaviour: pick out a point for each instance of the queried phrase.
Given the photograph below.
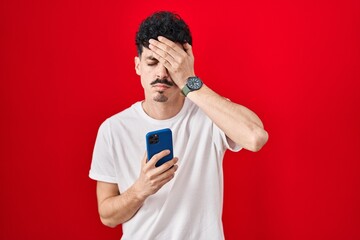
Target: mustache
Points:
(162, 81)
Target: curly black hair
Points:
(163, 23)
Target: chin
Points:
(160, 97)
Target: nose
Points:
(162, 72)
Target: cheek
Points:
(142, 83)
(147, 74)
(143, 70)
(145, 79)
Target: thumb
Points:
(144, 160)
(188, 48)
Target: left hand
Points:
(178, 59)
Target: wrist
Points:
(137, 194)
(181, 84)
(193, 83)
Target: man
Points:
(181, 199)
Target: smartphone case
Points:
(157, 141)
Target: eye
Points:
(152, 63)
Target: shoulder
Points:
(121, 119)
(125, 115)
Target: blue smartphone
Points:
(157, 141)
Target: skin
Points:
(174, 62)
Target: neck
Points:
(162, 110)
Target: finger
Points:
(178, 51)
(157, 157)
(166, 45)
(188, 49)
(162, 60)
(167, 176)
(175, 47)
(144, 160)
(163, 51)
(167, 165)
(163, 174)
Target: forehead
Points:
(147, 54)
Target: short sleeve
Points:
(102, 165)
(226, 143)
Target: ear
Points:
(137, 66)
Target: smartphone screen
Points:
(157, 141)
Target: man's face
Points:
(155, 78)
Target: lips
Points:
(161, 86)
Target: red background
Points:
(65, 66)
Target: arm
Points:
(115, 208)
(239, 123)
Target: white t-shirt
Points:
(190, 205)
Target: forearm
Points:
(115, 208)
(118, 209)
(239, 123)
